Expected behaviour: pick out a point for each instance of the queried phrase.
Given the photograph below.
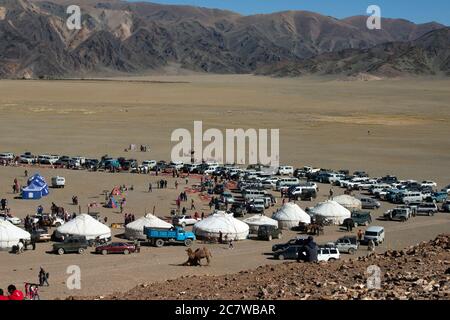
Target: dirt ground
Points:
(322, 123)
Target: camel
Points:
(194, 258)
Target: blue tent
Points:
(36, 189)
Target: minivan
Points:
(286, 182)
(369, 203)
(253, 194)
(286, 170)
(375, 233)
(412, 196)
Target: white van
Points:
(375, 233)
(178, 165)
(8, 156)
(150, 164)
(58, 182)
(47, 159)
(412, 196)
(211, 168)
(285, 170)
(286, 182)
(253, 194)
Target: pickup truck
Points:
(159, 237)
(71, 244)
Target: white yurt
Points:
(290, 215)
(10, 235)
(84, 225)
(259, 220)
(349, 202)
(331, 210)
(135, 229)
(223, 222)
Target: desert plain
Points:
(399, 127)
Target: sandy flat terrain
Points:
(322, 123)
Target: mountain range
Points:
(134, 38)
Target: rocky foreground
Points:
(418, 272)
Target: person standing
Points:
(360, 235)
(14, 294)
(176, 184)
(150, 189)
(192, 204)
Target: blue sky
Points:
(418, 11)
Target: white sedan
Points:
(14, 220)
(431, 184)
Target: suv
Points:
(369, 203)
(427, 208)
(374, 233)
(268, 232)
(347, 244)
(328, 253)
(400, 213)
(238, 209)
(257, 205)
(71, 244)
(446, 206)
(359, 218)
(293, 242)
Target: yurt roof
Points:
(9, 232)
(259, 220)
(291, 212)
(221, 221)
(347, 200)
(330, 208)
(84, 225)
(149, 220)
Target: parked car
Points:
(70, 245)
(46, 220)
(14, 220)
(269, 232)
(27, 158)
(369, 203)
(446, 206)
(47, 159)
(411, 196)
(185, 220)
(58, 182)
(431, 184)
(257, 205)
(293, 242)
(287, 253)
(40, 235)
(347, 244)
(425, 208)
(359, 218)
(7, 156)
(63, 161)
(238, 209)
(285, 170)
(400, 214)
(374, 233)
(116, 247)
(439, 197)
(149, 164)
(328, 253)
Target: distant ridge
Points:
(131, 38)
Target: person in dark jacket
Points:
(2, 295)
(308, 252)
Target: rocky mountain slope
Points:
(427, 55)
(119, 36)
(418, 272)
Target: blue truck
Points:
(159, 237)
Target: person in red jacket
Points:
(14, 294)
(2, 295)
